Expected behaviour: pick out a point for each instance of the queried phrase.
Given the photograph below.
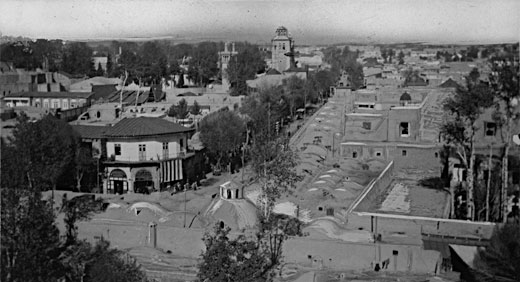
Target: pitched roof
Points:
(90, 131)
(450, 83)
(145, 126)
(97, 80)
(415, 80)
(35, 94)
(103, 91)
(129, 96)
(272, 72)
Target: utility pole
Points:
(97, 174)
(185, 188)
(138, 90)
(488, 186)
(121, 93)
(269, 121)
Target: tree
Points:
(222, 132)
(264, 109)
(110, 66)
(474, 76)
(391, 54)
(172, 111)
(77, 59)
(345, 60)
(42, 150)
(203, 65)
(153, 63)
(77, 209)
(472, 52)
(107, 264)
(99, 70)
(401, 57)
(182, 109)
(500, 260)
(227, 259)
(466, 106)
(294, 93)
(246, 258)
(85, 163)
(180, 83)
(273, 163)
(195, 109)
(30, 240)
(246, 65)
(384, 55)
(504, 83)
(323, 79)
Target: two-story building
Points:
(394, 125)
(48, 100)
(144, 154)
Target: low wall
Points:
(374, 189)
(71, 114)
(355, 256)
(332, 254)
(414, 227)
(184, 242)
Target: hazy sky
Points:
(308, 21)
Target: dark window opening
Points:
(404, 153)
(491, 128)
(117, 149)
(142, 152)
(354, 155)
(367, 125)
(404, 128)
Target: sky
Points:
(308, 21)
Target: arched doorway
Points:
(143, 181)
(117, 182)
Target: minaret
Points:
(224, 58)
(281, 50)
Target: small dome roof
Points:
(237, 214)
(281, 30)
(405, 97)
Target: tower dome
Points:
(282, 31)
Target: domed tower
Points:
(281, 45)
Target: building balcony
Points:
(148, 158)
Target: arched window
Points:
(236, 194)
(98, 114)
(228, 194)
(117, 173)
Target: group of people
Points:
(178, 187)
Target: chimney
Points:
(233, 47)
(226, 47)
